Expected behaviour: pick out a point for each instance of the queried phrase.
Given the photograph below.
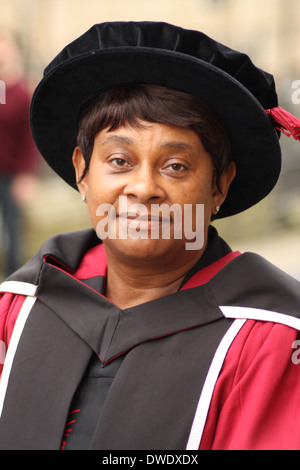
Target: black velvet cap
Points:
(116, 53)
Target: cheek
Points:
(200, 193)
(102, 193)
(96, 196)
(197, 191)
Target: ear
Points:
(219, 195)
(79, 167)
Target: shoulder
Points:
(19, 290)
(66, 248)
(251, 287)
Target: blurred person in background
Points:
(18, 154)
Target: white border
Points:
(209, 385)
(16, 287)
(13, 344)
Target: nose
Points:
(144, 186)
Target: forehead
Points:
(162, 135)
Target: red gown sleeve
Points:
(10, 305)
(256, 404)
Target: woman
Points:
(141, 341)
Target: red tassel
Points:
(285, 122)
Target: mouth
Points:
(142, 222)
(143, 218)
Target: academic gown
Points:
(212, 366)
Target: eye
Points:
(119, 162)
(176, 168)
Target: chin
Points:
(145, 249)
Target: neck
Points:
(128, 285)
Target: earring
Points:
(83, 197)
(217, 208)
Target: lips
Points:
(140, 217)
(142, 223)
(143, 218)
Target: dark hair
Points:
(128, 104)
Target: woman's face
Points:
(149, 167)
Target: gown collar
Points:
(76, 297)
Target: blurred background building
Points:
(267, 30)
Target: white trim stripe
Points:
(209, 385)
(250, 313)
(16, 287)
(240, 314)
(13, 344)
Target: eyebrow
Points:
(178, 146)
(118, 138)
(171, 144)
